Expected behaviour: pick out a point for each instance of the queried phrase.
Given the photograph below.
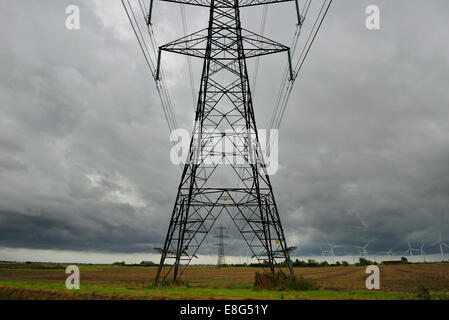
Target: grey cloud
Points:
(364, 145)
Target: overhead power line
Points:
(263, 22)
(189, 59)
(150, 53)
(287, 83)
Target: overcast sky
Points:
(84, 146)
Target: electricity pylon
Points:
(221, 245)
(214, 181)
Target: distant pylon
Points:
(221, 251)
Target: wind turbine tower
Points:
(410, 250)
(441, 243)
(421, 250)
(362, 250)
(331, 250)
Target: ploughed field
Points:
(47, 281)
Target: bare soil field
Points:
(394, 278)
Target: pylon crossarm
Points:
(199, 3)
(250, 3)
(227, 3)
(195, 45)
(256, 45)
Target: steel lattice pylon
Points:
(220, 246)
(215, 181)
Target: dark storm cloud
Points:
(79, 231)
(75, 108)
(370, 157)
(84, 150)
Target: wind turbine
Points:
(421, 250)
(331, 250)
(362, 250)
(441, 243)
(410, 250)
(324, 252)
(389, 252)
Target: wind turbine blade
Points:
(434, 244)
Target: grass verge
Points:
(52, 290)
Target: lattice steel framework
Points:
(220, 246)
(215, 180)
